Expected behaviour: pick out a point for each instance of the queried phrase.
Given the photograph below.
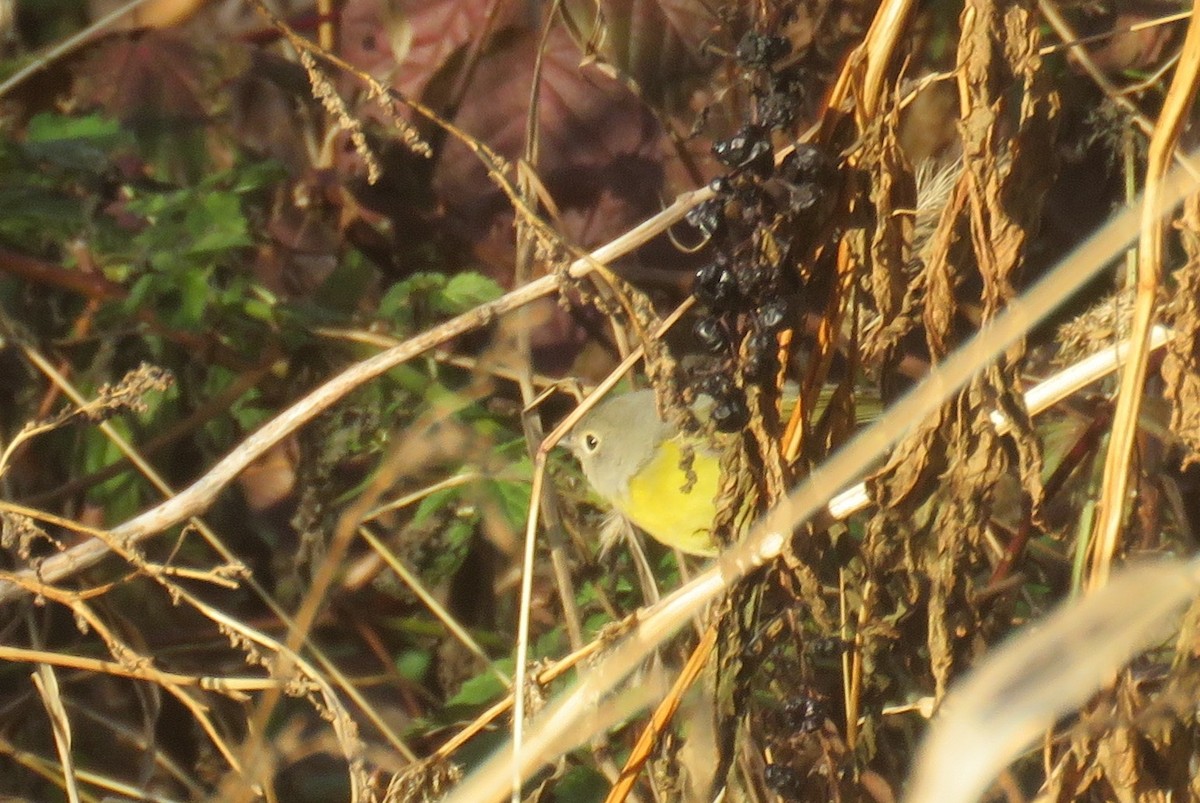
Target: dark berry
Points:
(748, 149)
(759, 50)
(778, 110)
(751, 198)
(718, 386)
(783, 780)
(771, 315)
(716, 286)
(720, 185)
(708, 216)
(711, 335)
(808, 163)
(804, 714)
(730, 414)
(757, 279)
(807, 199)
(791, 84)
(827, 647)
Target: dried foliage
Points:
(290, 297)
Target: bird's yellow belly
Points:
(657, 503)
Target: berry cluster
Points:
(761, 219)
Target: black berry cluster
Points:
(761, 218)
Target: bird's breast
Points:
(657, 502)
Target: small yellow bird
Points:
(634, 460)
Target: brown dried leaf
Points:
(892, 191)
(940, 277)
(1181, 366)
(950, 470)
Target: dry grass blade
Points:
(1157, 201)
(1023, 687)
(46, 683)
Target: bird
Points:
(635, 461)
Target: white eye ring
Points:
(591, 442)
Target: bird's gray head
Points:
(617, 438)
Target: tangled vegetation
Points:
(296, 299)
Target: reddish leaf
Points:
(407, 42)
(150, 74)
(594, 135)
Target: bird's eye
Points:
(591, 442)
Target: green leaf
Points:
(49, 127)
(465, 291)
(215, 224)
(454, 542)
(344, 288)
(433, 503)
(252, 176)
(139, 292)
(75, 143)
(581, 784)
(193, 289)
(513, 500)
(414, 664)
(478, 690)
(118, 497)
